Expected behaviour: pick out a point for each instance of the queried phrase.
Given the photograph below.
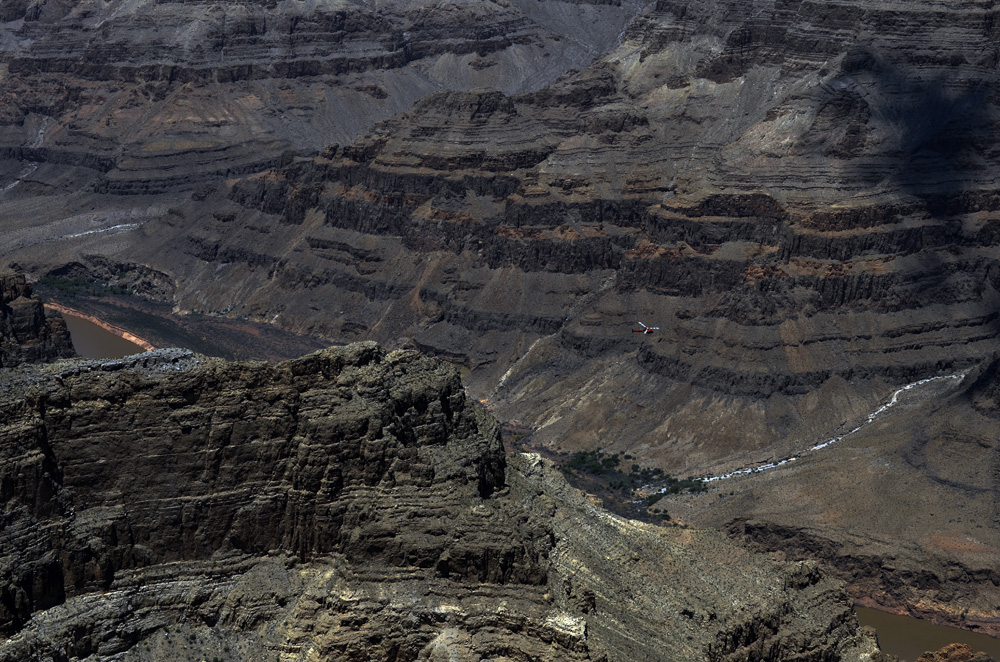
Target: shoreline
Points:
(984, 626)
(110, 328)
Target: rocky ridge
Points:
(27, 332)
(349, 504)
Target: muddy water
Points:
(92, 342)
(908, 638)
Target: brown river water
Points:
(902, 636)
(908, 638)
(93, 342)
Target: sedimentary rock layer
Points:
(348, 503)
(742, 179)
(145, 97)
(800, 196)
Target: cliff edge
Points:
(27, 332)
(350, 504)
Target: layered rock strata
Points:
(350, 504)
(27, 332)
(147, 97)
(710, 194)
(751, 306)
(801, 196)
(742, 178)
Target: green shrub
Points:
(594, 462)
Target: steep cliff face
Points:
(350, 504)
(27, 332)
(800, 195)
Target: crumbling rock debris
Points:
(955, 653)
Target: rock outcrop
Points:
(955, 653)
(801, 196)
(27, 332)
(350, 504)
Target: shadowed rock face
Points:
(349, 504)
(27, 332)
(800, 195)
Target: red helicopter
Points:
(645, 329)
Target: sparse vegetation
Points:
(71, 287)
(600, 464)
(597, 463)
(607, 468)
(678, 485)
(514, 436)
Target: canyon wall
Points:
(140, 98)
(27, 332)
(351, 504)
(800, 195)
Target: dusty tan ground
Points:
(905, 509)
